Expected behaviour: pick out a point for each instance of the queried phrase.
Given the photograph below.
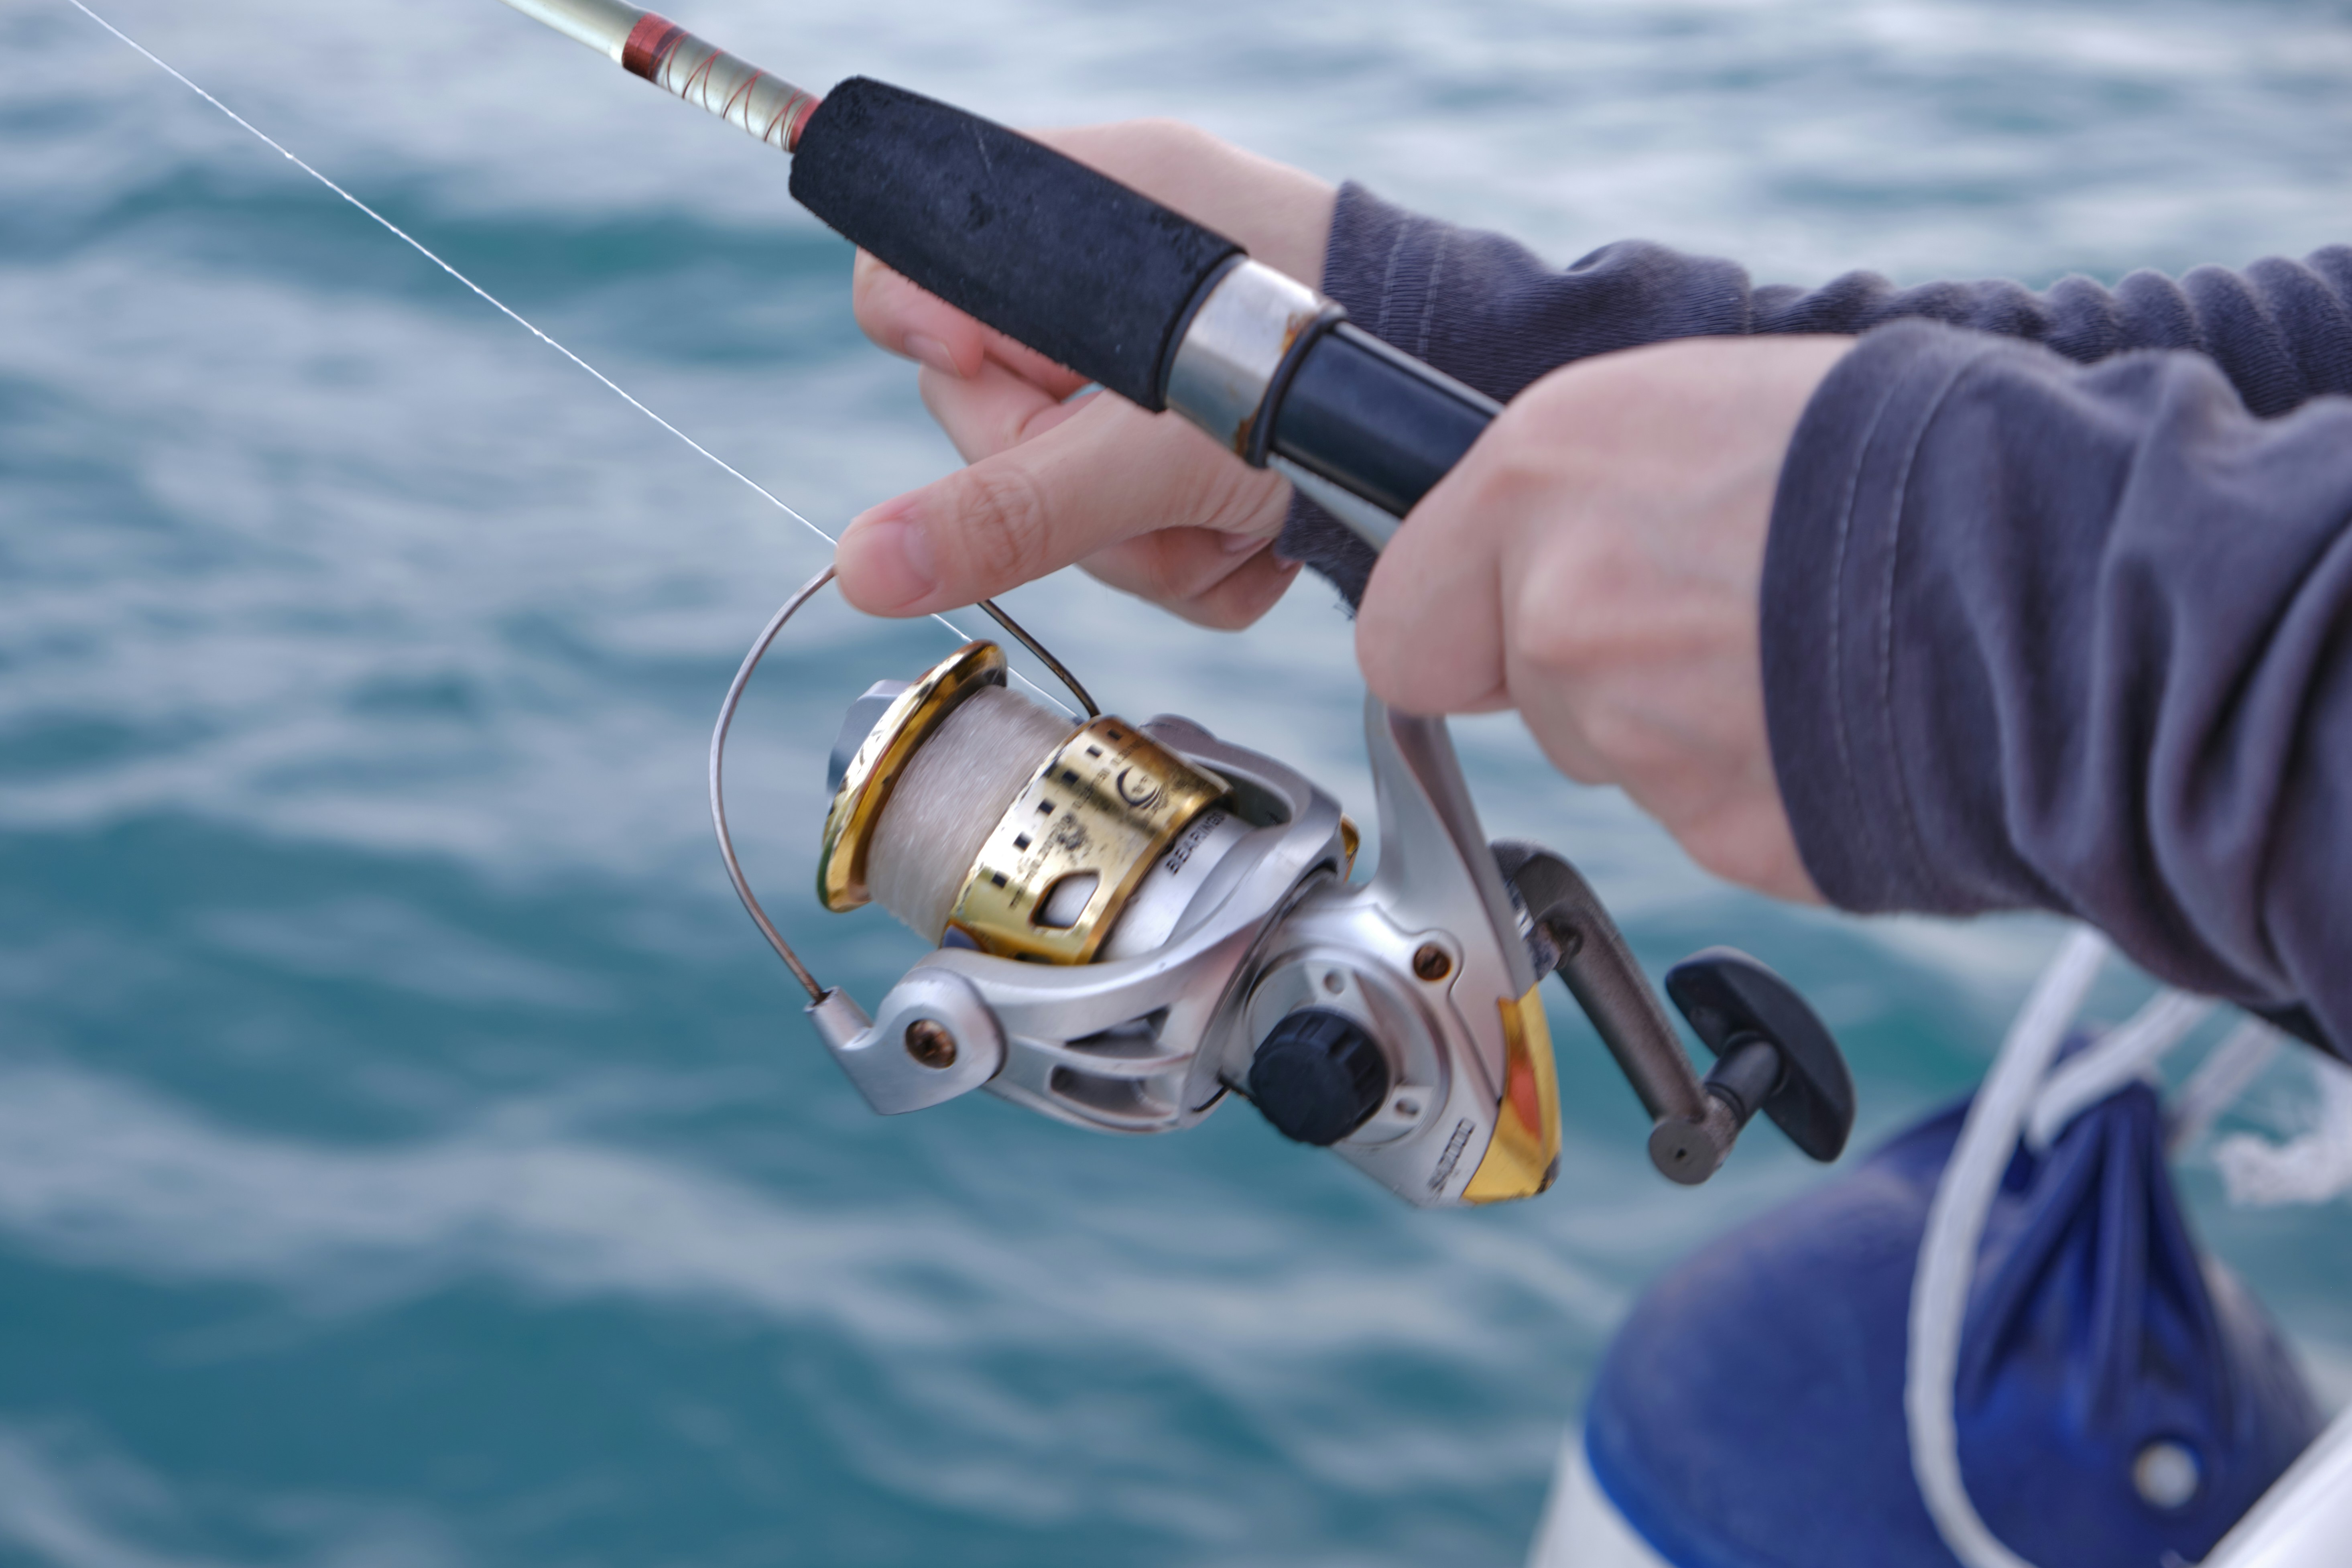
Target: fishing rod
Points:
(1090, 273)
(1133, 920)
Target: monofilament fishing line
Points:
(503, 308)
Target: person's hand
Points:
(1594, 562)
(1144, 501)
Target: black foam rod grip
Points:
(1088, 272)
(1375, 422)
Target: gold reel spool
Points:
(961, 687)
(913, 716)
(1055, 873)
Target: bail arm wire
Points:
(768, 636)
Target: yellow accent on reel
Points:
(1523, 1156)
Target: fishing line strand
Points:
(488, 298)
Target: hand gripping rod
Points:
(1088, 272)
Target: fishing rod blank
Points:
(1090, 273)
(675, 60)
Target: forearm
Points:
(1487, 309)
(2041, 635)
(1490, 313)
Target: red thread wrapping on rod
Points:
(652, 48)
(650, 41)
(799, 116)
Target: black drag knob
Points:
(1318, 1076)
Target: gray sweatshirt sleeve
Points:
(2051, 620)
(1491, 312)
(2045, 635)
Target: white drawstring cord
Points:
(2119, 1057)
(2218, 1081)
(2026, 1095)
(1948, 1250)
(2313, 1168)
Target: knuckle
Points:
(1224, 503)
(1229, 611)
(1561, 732)
(1504, 488)
(1408, 674)
(1002, 515)
(1567, 636)
(1625, 744)
(1169, 578)
(1582, 766)
(1249, 501)
(1547, 402)
(1572, 618)
(1512, 486)
(1218, 608)
(1182, 569)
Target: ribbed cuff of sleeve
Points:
(1829, 616)
(1379, 265)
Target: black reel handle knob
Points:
(1772, 1053)
(1318, 1075)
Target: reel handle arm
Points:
(1773, 1055)
(1571, 934)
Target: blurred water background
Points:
(410, 1157)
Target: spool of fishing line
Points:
(950, 800)
(974, 815)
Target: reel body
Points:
(1135, 920)
(1246, 921)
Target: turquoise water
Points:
(408, 1153)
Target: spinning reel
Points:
(1134, 921)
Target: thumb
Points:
(1109, 473)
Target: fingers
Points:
(993, 410)
(1224, 581)
(1056, 480)
(1105, 474)
(1429, 632)
(923, 327)
(1596, 558)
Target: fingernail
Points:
(887, 555)
(932, 352)
(1241, 544)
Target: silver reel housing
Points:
(1395, 1021)
(1151, 1043)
